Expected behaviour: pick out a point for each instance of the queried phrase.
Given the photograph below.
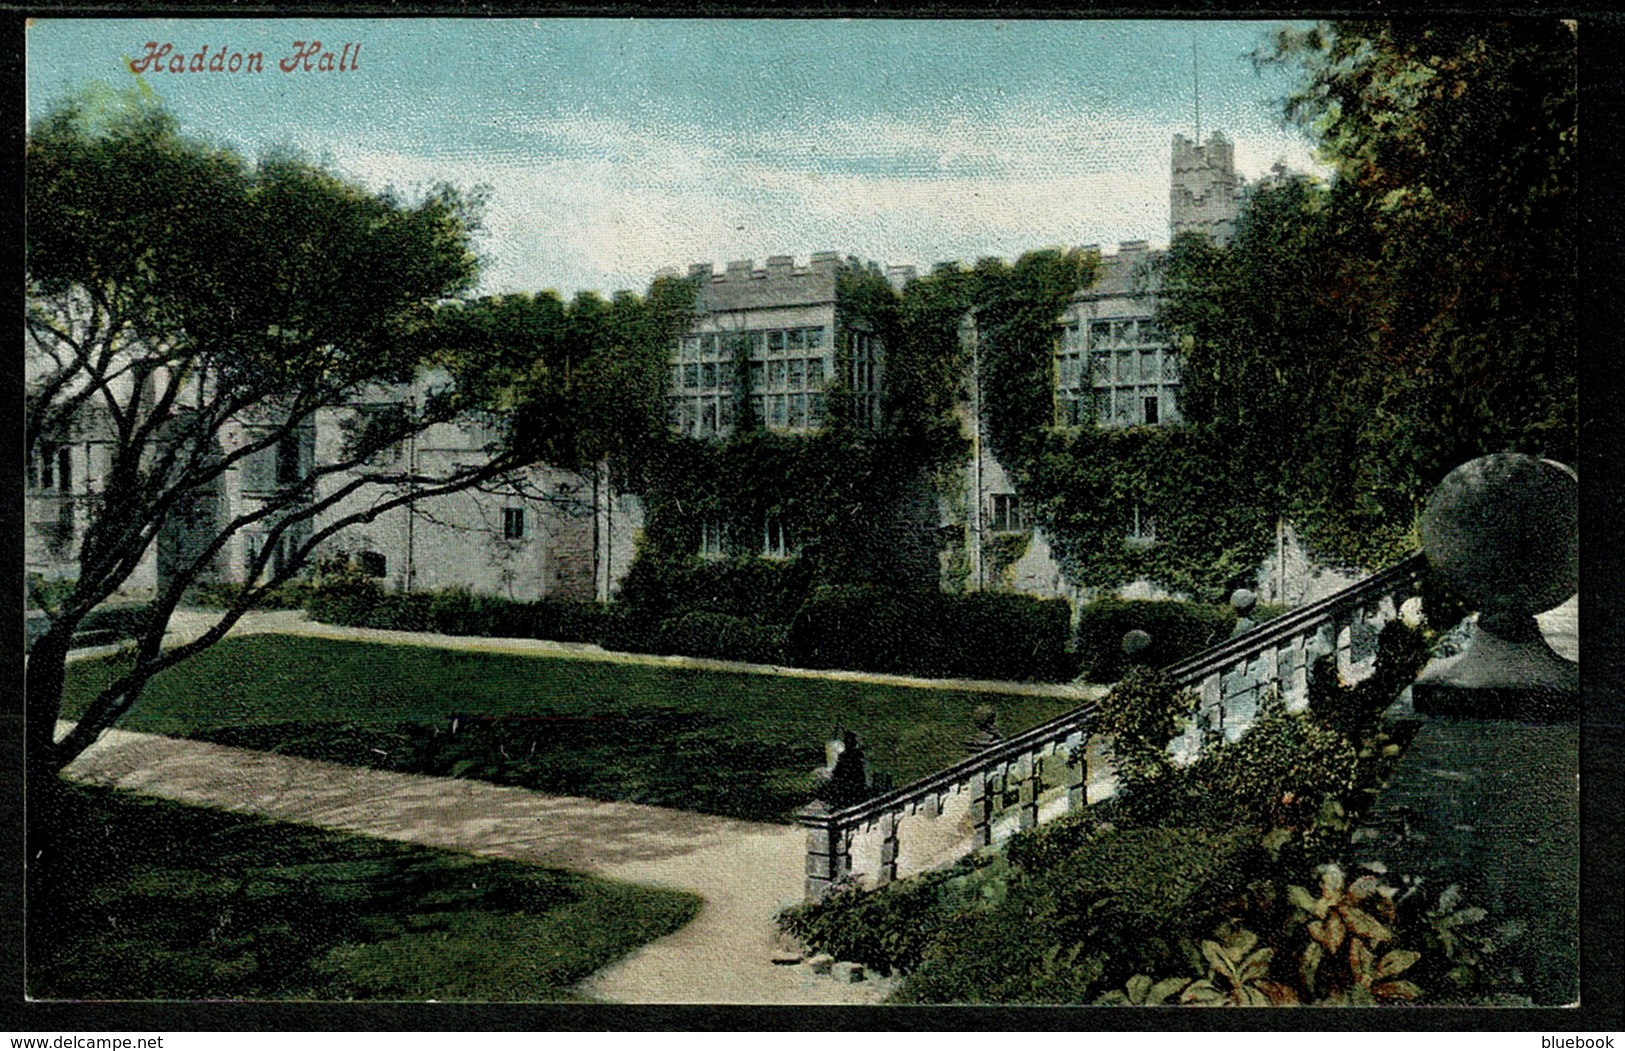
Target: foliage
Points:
(1052, 842)
(923, 633)
(1177, 629)
(978, 962)
(361, 603)
(293, 594)
(202, 310)
(176, 295)
(766, 590)
(835, 494)
(1001, 552)
(1113, 907)
(1305, 774)
(1142, 991)
(1186, 886)
(1356, 711)
(1354, 341)
(1464, 954)
(720, 636)
(1281, 773)
(1016, 308)
(886, 930)
(281, 912)
(1346, 933)
(573, 384)
(1238, 976)
(1360, 338)
(1144, 710)
(47, 593)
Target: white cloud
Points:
(603, 205)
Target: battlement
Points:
(1203, 187)
(1132, 250)
(781, 281)
(777, 268)
(1125, 271)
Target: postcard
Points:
(820, 512)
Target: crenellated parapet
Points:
(1204, 189)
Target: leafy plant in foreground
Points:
(1238, 976)
(1344, 928)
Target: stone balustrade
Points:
(1059, 766)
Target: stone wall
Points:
(1060, 766)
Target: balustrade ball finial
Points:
(1135, 643)
(1503, 533)
(1243, 602)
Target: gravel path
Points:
(745, 871)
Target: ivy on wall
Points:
(852, 502)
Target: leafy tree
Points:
(201, 310)
(1450, 230)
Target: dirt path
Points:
(745, 871)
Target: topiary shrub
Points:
(1177, 629)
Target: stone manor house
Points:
(550, 533)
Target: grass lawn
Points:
(155, 900)
(740, 745)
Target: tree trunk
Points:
(43, 759)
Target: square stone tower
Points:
(1204, 187)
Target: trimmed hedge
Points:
(982, 635)
(101, 626)
(456, 612)
(856, 627)
(723, 637)
(295, 594)
(765, 590)
(1177, 630)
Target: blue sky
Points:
(614, 147)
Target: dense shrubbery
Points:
(762, 589)
(295, 594)
(719, 636)
(455, 612)
(888, 930)
(1177, 630)
(745, 610)
(984, 635)
(1066, 912)
(766, 611)
(104, 624)
(1189, 886)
